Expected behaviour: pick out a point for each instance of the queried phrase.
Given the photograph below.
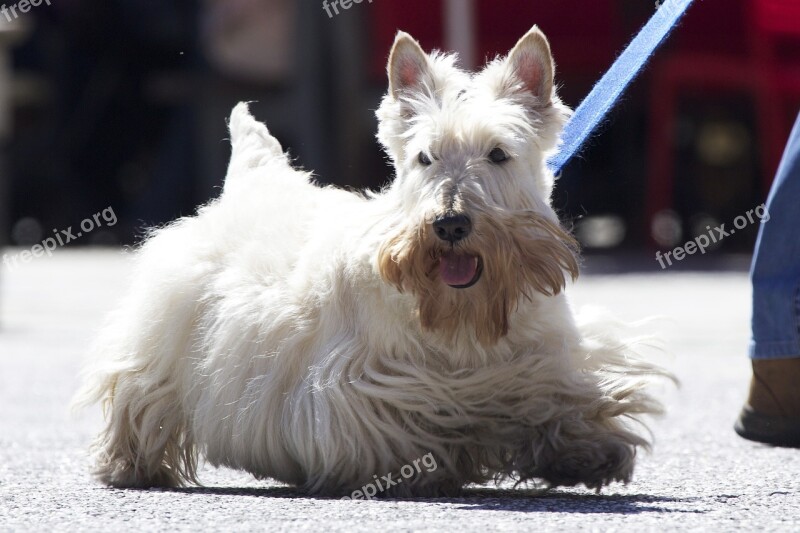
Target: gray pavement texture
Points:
(700, 477)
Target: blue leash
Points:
(607, 91)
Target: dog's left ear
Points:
(409, 67)
(531, 63)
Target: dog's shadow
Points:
(494, 499)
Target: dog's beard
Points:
(519, 253)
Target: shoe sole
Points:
(777, 431)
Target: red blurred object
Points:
(587, 41)
(423, 19)
(766, 66)
(584, 43)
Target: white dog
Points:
(323, 338)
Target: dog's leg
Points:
(588, 451)
(592, 442)
(145, 442)
(140, 374)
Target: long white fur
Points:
(260, 335)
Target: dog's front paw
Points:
(595, 461)
(595, 464)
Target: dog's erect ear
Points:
(531, 62)
(409, 67)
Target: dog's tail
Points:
(252, 144)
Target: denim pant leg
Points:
(775, 271)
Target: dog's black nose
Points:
(452, 228)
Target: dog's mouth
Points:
(460, 270)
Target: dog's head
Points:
(474, 232)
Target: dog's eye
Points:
(424, 159)
(497, 155)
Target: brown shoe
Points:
(772, 412)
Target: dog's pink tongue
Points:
(457, 269)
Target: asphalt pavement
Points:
(700, 476)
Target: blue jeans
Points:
(775, 271)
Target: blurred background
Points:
(122, 104)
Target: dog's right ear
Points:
(409, 67)
(531, 63)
